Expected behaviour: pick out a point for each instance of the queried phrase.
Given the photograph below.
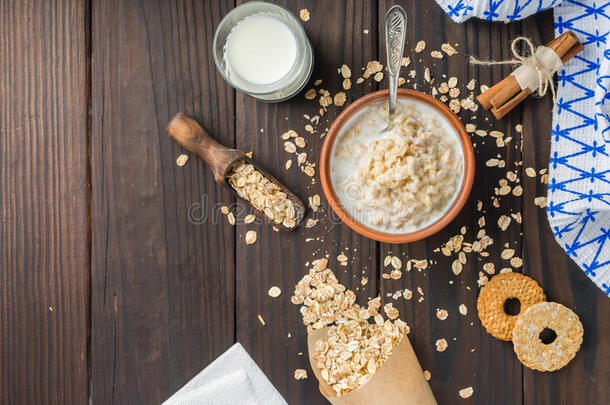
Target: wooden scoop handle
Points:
(188, 133)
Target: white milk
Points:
(261, 49)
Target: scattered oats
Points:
(516, 262)
(463, 309)
(304, 13)
(311, 94)
(507, 254)
(482, 280)
(504, 190)
(250, 237)
(249, 219)
(470, 128)
(540, 202)
(181, 160)
(302, 158)
(441, 345)
(364, 281)
(452, 82)
(371, 68)
(342, 258)
(470, 85)
(448, 49)
(310, 171)
(395, 274)
(407, 294)
(530, 171)
(311, 223)
(365, 32)
(396, 262)
(346, 72)
(261, 320)
(481, 221)
(300, 374)
(442, 314)
(518, 127)
(457, 267)
(504, 222)
(427, 75)
(544, 179)
(300, 142)
(359, 80)
(288, 164)
(466, 392)
(517, 217)
(436, 54)
(378, 76)
(224, 209)
(420, 291)
(518, 190)
(462, 257)
(489, 268)
(421, 264)
(427, 375)
(314, 202)
(390, 311)
(340, 98)
(421, 45)
(455, 106)
(347, 84)
(274, 292)
(387, 260)
(483, 88)
(231, 218)
(290, 147)
(479, 205)
(496, 134)
(492, 162)
(455, 93)
(443, 88)
(405, 61)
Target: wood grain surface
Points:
(120, 279)
(44, 241)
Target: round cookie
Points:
(495, 294)
(563, 338)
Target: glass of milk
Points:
(262, 50)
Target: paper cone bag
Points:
(399, 381)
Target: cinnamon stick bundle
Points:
(505, 95)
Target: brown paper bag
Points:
(399, 381)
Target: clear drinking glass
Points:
(293, 81)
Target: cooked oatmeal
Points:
(402, 181)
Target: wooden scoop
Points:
(188, 133)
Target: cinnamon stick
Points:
(505, 95)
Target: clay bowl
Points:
(421, 233)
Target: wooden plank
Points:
(581, 381)
(44, 248)
(335, 31)
(473, 358)
(162, 267)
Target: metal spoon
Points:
(395, 30)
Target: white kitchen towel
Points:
(231, 379)
(578, 198)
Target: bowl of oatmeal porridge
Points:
(404, 185)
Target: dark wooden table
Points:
(110, 294)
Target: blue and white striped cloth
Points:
(578, 200)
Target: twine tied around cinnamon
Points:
(535, 70)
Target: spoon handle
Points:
(395, 30)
